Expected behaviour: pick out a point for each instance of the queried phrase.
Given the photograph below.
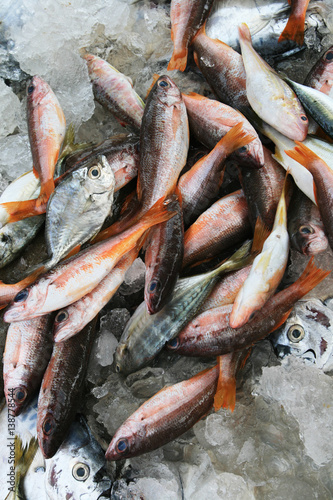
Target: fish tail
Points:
(294, 29)
(158, 213)
(244, 33)
(45, 192)
(225, 395)
(311, 277)
(261, 233)
(302, 154)
(236, 138)
(18, 210)
(178, 59)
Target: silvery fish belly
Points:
(266, 21)
(76, 471)
(308, 333)
(78, 208)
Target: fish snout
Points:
(282, 351)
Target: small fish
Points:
(27, 352)
(79, 275)
(115, 91)
(224, 224)
(61, 389)
(165, 416)
(294, 29)
(305, 227)
(322, 181)
(187, 16)
(270, 97)
(145, 335)
(267, 269)
(307, 334)
(78, 208)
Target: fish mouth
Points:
(282, 351)
(309, 355)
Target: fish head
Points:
(307, 333)
(299, 123)
(77, 470)
(166, 91)
(6, 246)
(65, 321)
(26, 301)
(127, 441)
(18, 388)
(37, 90)
(251, 154)
(309, 239)
(100, 176)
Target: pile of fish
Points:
(215, 252)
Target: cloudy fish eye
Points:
(296, 333)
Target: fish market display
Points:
(150, 297)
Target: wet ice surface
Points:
(278, 442)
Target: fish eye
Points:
(329, 56)
(31, 88)
(117, 368)
(21, 296)
(61, 316)
(163, 83)
(296, 333)
(81, 471)
(122, 445)
(306, 230)
(4, 237)
(48, 426)
(94, 172)
(252, 316)
(304, 118)
(173, 343)
(154, 286)
(20, 394)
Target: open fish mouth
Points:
(309, 355)
(283, 350)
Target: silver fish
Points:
(76, 471)
(307, 333)
(78, 207)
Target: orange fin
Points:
(303, 154)
(225, 395)
(128, 200)
(45, 192)
(36, 174)
(235, 138)
(294, 30)
(261, 233)
(18, 210)
(282, 320)
(178, 60)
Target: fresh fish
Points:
(223, 69)
(210, 120)
(145, 335)
(262, 188)
(267, 269)
(21, 189)
(316, 103)
(115, 91)
(165, 416)
(305, 227)
(219, 338)
(78, 208)
(75, 471)
(294, 29)
(200, 185)
(164, 258)
(79, 275)
(322, 180)
(74, 318)
(24, 455)
(320, 76)
(187, 16)
(61, 389)
(270, 97)
(307, 333)
(27, 352)
(224, 224)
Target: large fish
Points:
(187, 16)
(294, 29)
(27, 352)
(270, 97)
(165, 416)
(307, 334)
(61, 389)
(145, 335)
(77, 276)
(219, 338)
(115, 91)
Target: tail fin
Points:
(303, 154)
(244, 33)
(261, 233)
(236, 138)
(18, 210)
(311, 277)
(45, 192)
(294, 29)
(158, 213)
(225, 395)
(178, 60)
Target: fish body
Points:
(307, 333)
(165, 416)
(46, 128)
(27, 351)
(270, 97)
(210, 120)
(267, 269)
(74, 318)
(200, 185)
(216, 339)
(224, 224)
(61, 389)
(77, 208)
(223, 69)
(69, 281)
(305, 227)
(145, 335)
(186, 19)
(294, 29)
(320, 76)
(115, 91)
